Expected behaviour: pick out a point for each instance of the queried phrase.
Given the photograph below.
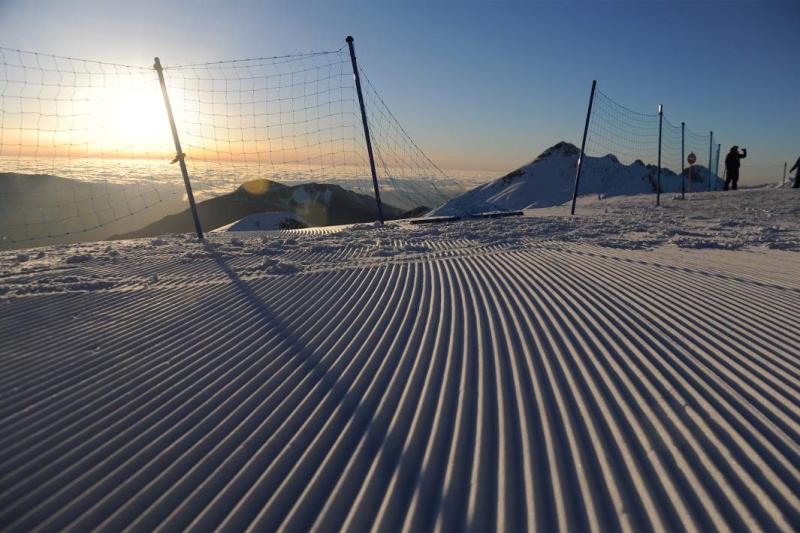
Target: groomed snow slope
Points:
(630, 368)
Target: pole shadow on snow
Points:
(287, 337)
(302, 357)
(313, 363)
(336, 392)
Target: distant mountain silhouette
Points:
(318, 204)
(41, 209)
(44, 190)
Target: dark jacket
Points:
(732, 161)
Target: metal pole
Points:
(658, 180)
(710, 152)
(366, 129)
(179, 155)
(784, 175)
(716, 166)
(683, 180)
(583, 147)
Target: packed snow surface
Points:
(631, 367)
(267, 221)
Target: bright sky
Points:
(481, 85)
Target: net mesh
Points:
(411, 176)
(296, 119)
(705, 152)
(290, 119)
(622, 153)
(82, 146)
(86, 147)
(769, 174)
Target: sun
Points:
(132, 118)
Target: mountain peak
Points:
(563, 148)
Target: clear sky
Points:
(481, 85)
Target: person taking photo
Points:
(732, 167)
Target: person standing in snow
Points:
(732, 167)
(796, 176)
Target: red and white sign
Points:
(692, 158)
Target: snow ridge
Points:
(549, 180)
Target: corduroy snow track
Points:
(445, 385)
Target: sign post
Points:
(658, 179)
(692, 159)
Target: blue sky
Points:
(481, 85)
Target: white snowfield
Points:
(630, 368)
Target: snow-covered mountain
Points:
(549, 181)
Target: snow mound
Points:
(267, 222)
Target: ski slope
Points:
(630, 368)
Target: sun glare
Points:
(134, 117)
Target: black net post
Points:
(683, 179)
(366, 128)
(658, 178)
(710, 153)
(583, 147)
(179, 157)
